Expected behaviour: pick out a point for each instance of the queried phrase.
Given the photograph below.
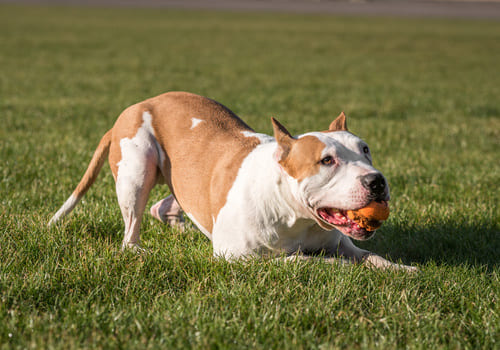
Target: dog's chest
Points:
(305, 236)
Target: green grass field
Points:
(425, 94)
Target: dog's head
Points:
(329, 173)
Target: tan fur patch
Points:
(304, 157)
(126, 126)
(202, 162)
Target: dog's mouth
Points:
(330, 218)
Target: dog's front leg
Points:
(328, 259)
(376, 261)
(348, 250)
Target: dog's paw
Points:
(175, 221)
(133, 247)
(375, 261)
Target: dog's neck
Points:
(271, 186)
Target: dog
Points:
(251, 194)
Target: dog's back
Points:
(204, 144)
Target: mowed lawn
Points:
(425, 94)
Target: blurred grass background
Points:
(423, 93)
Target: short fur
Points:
(251, 194)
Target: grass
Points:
(423, 93)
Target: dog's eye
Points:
(366, 149)
(328, 160)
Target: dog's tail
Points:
(87, 180)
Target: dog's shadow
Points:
(445, 243)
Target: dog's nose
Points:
(375, 182)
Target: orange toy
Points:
(371, 216)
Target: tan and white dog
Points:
(249, 193)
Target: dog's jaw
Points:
(329, 218)
(331, 214)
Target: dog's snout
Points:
(375, 182)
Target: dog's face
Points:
(329, 173)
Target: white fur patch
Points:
(255, 209)
(263, 138)
(68, 206)
(195, 122)
(202, 229)
(142, 140)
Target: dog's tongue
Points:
(335, 217)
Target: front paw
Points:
(375, 261)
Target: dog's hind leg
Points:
(169, 211)
(135, 177)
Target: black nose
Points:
(375, 182)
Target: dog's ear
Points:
(283, 138)
(339, 124)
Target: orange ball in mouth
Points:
(371, 216)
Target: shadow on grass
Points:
(447, 243)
